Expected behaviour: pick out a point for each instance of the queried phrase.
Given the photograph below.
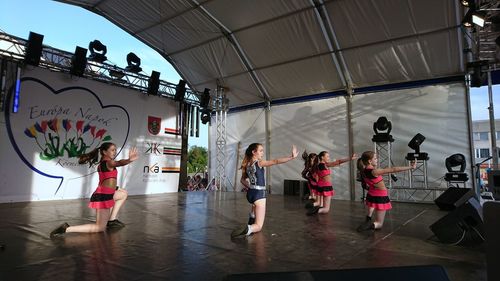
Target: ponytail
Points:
(93, 156)
(248, 158)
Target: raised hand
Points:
(295, 152)
(354, 156)
(132, 154)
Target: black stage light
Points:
(97, 51)
(205, 98)
(78, 61)
(205, 116)
(116, 73)
(180, 90)
(133, 63)
(382, 129)
(414, 144)
(456, 160)
(33, 49)
(154, 83)
(416, 141)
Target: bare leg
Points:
(260, 215)
(370, 211)
(326, 205)
(379, 219)
(120, 196)
(99, 226)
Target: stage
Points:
(186, 236)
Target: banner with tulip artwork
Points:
(60, 119)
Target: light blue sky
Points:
(66, 26)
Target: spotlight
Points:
(414, 144)
(205, 116)
(382, 129)
(33, 49)
(97, 51)
(456, 160)
(467, 20)
(134, 63)
(78, 62)
(467, 3)
(205, 98)
(180, 90)
(117, 74)
(478, 18)
(154, 83)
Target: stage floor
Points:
(186, 236)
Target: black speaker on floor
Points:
(33, 49)
(462, 226)
(453, 197)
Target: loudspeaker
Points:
(154, 83)
(180, 90)
(463, 226)
(33, 49)
(205, 98)
(78, 61)
(492, 231)
(453, 197)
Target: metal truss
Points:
(14, 48)
(221, 107)
(384, 156)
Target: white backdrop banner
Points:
(437, 112)
(61, 117)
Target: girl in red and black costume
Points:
(321, 169)
(377, 198)
(107, 196)
(312, 181)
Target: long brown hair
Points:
(315, 168)
(248, 157)
(309, 160)
(92, 157)
(363, 161)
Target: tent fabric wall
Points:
(438, 112)
(123, 114)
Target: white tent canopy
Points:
(266, 50)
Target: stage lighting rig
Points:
(414, 144)
(456, 160)
(133, 63)
(206, 115)
(97, 51)
(382, 129)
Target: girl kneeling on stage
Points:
(377, 198)
(107, 196)
(252, 177)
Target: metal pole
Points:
(494, 150)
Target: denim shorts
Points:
(255, 194)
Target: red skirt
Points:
(378, 199)
(102, 198)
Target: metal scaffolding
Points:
(384, 156)
(221, 106)
(14, 48)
